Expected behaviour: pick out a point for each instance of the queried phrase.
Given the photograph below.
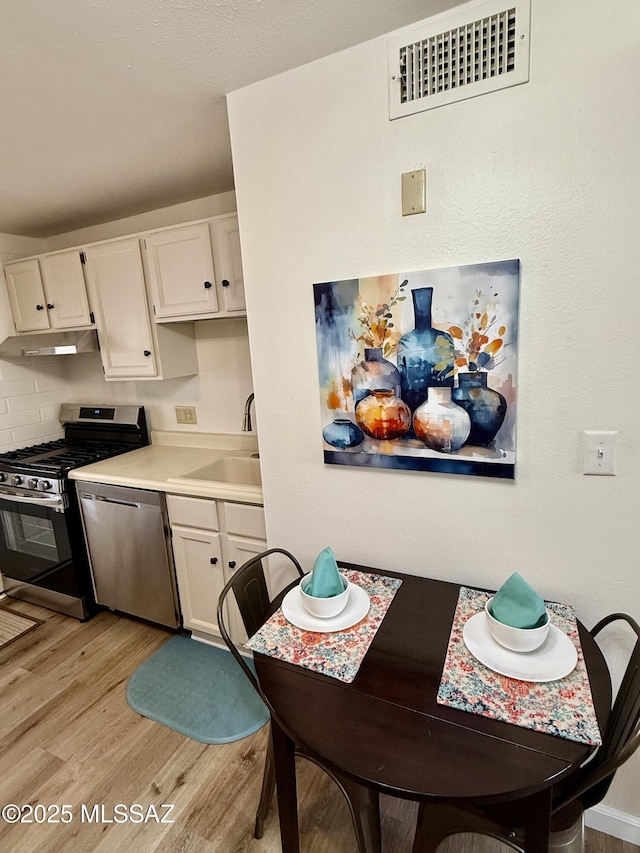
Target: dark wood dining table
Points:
(386, 730)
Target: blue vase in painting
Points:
(342, 433)
(425, 354)
(485, 406)
(373, 373)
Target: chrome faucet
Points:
(246, 420)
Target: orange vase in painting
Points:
(383, 415)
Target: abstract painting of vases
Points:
(417, 370)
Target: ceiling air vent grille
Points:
(468, 58)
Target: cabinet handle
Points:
(213, 561)
(225, 282)
(49, 306)
(39, 307)
(207, 285)
(232, 564)
(147, 352)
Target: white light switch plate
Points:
(599, 448)
(414, 192)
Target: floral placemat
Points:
(340, 653)
(563, 708)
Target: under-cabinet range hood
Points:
(53, 343)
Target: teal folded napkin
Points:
(517, 604)
(325, 580)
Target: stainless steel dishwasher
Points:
(127, 535)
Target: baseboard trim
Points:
(613, 822)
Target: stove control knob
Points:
(3, 477)
(45, 485)
(16, 480)
(32, 483)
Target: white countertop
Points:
(169, 457)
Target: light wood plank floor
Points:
(67, 736)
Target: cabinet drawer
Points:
(193, 512)
(245, 520)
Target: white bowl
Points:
(324, 608)
(516, 639)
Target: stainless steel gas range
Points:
(43, 556)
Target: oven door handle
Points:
(55, 502)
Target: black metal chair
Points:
(571, 797)
(249, 587)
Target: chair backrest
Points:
(249, 587)
(621, 737)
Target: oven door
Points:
(35, 550)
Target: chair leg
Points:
(569, 840)
(435, 823)
(268, 789)
(364, 804)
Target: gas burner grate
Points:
(33, 450)
(57, 457)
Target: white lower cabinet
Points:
(208, 546)
(199, 570)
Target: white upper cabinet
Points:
(138, 291)
(26, 295)
(180, 269)
(228, 263)
(195, 271)
(65, 289)
(116, 281)
(130, 348)
(48, 293)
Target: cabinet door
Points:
(228, 262)
(180, 265)
(200, 572)
(26, 295)
(65, 290)
(239, 551)
(116, 282)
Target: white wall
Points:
(218, 391)
(546, 172)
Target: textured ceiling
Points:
(109, 108)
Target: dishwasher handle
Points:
(89, 497)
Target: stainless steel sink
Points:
(243, 470)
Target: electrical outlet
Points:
(186, 415)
